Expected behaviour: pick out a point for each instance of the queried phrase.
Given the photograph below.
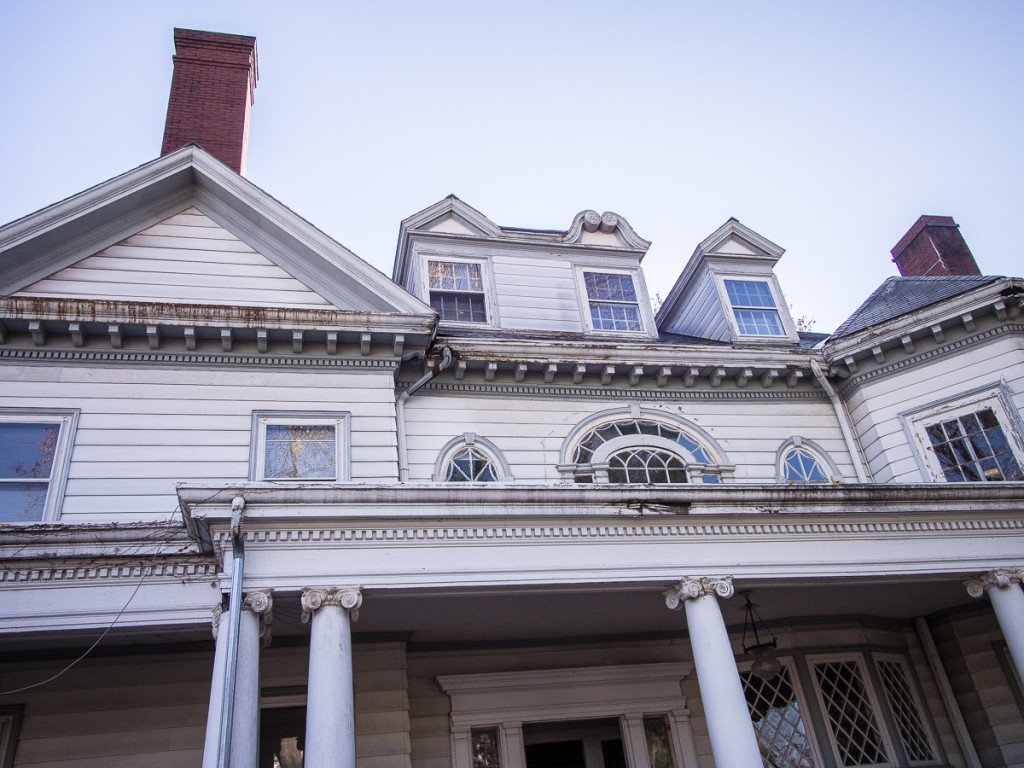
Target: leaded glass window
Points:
(802, 466)
(974, 447)
(595, 438)
(614, 305)
(778, 721)
(754, 308)
(457, 291)
(645, 465)
(470, 464)
(905, 711)
(850, 714)
(485, 748)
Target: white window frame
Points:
(642, 303)
(486, 278)
(788, 328)
(833, 475)
(916, 421)
(481, 444)
(67, 422)
(342, 436)
(795, 681)
(10, 726)
(874, 698)
(918, 701)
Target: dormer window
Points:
(754, 308)
(613, 301)
(457, 291)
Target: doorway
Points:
(574, 744)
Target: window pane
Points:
(27, 450)
(471, 465)
(758, 322)
(905, 711)
(485, 749)
(22, 502)
(749, 293)
(455, 276)
(974, 447)
(659, 748)
(778, 722)
(301, 451)
(459, 307)
(801, 466)
(614, 317)
(850, 714)
(609, 287)
(645, 465)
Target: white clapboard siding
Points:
(876, 407)
(187, 258)
(530, 432)
(537, 294)
(702, 314)
(142, 430)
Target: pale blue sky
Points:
(826, 127)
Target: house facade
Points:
(263, 505)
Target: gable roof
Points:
(902, 295)
(45, 242)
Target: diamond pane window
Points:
(754, 308)
(471, 465)
(778, 722)
(905, 711)
(457, 291)
(973, 447)
(645, 465)
(613, 302)
(850, 714)
(802, 466)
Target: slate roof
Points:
(900, 295)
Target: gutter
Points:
(403, 452)
(844, 422)
(234, 619)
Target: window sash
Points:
(299, 448)
(754, 308)
(456, 290)
(34, 457)
(613, 301)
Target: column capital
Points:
(691, 588)
(997, 577)
(215, 614)
(261, 602)
(313, 598)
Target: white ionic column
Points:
(1003, 586)
(255, 621)
(212, 743)
(733, 742)
(330, 710)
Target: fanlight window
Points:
(802, 466)
(594, 439)
(471, 465)
(645, 465)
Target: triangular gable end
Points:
(82, 226)
(186, 258)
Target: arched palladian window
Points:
(470, 459)
(639, 446)
(802, 461)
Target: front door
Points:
(574, 744)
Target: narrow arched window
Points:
(801, 461)
(471, 465)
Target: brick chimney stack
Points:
(211, 94)
(934, 247)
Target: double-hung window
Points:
(300, 447)
(457, 291)
(613, 301)
(754, 308)
(34, 456)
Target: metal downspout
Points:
(403, 456)
(234, 616)
(844, 422)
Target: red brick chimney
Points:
(934, 247)
(211, 94)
